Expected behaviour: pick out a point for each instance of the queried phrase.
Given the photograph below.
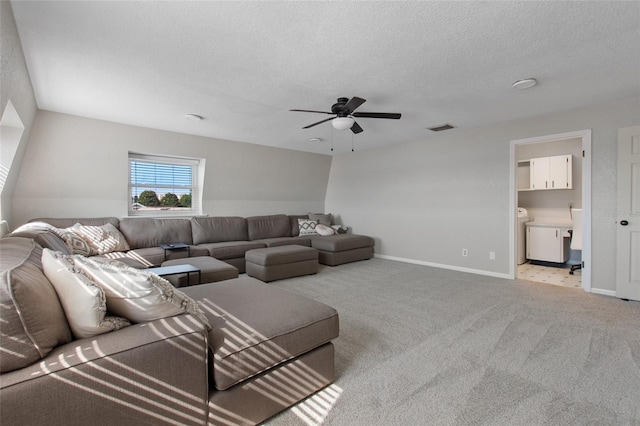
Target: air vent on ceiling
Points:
(441, 128)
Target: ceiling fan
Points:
(344, 114)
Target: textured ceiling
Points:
(243, 65)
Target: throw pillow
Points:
(75, 243)
(101, 239)
(324, 230)
(135, 294)
(84, 303)
(32, 319)
(307, 227)
(340, 229)
(322, 218)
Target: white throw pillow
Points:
(307, 227)
(84, 303)
(137, 295)
(101, 239)
(324, 230)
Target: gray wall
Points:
(427, 200)
(78, 167)
(15, 86)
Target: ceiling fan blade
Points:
(307, 110)
(319, 122)
(354, 103)
(392, 115)
(356, 128)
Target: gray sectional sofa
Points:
(224, 238)
(266, 349)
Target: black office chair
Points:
(576, 236)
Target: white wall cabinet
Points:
(548, 243)
(551, 172)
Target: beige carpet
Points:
(428, 346)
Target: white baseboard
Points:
(439, 265)
(611, 293)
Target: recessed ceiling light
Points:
(314, 139)
(525, 84)
(193, 117)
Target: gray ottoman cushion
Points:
(275, 263)
(211, 270)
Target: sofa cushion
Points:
(32, 320)
(218, 229)
(231, 249)
(45, 234)
(322, 218)
(280, 255)
(340, 242)
(274, 226)
(84, 302)
(257, 326)
(135, 294)
(151, 232)
(67, 222)
(154, 256)
(286, 241)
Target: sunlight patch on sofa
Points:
(174, 334)
(120, 255)
(139, 395)
(246, 353)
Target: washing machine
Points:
(523, 218)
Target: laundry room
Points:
(549, 182)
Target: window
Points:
(163, 185)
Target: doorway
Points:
(553, 204)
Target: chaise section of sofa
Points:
(338, 249)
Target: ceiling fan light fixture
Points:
(342, 123)
(193, 117)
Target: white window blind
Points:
(163, 185)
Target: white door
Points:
(628, 220)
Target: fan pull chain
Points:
(331, 138)
(351, 141)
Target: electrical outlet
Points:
(492, 255)
(465, 252)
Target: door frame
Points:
(585, 135)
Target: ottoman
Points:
(276, 263)
(211, 270)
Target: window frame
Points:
(197, 174)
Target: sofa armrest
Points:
(151, 373)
